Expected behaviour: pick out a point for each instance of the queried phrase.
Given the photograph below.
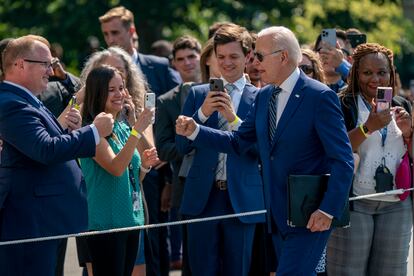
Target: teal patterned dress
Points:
(110, 197)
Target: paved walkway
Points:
(72, 267)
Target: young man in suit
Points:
(219, 184)
(118, 29)
(298, 126)
(186, 60)
(42, 191)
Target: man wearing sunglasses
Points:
(298, 126)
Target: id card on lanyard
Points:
(136, 206)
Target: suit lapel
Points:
(293, 103)
(246, 101)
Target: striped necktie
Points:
(273, 112)
(221, 171)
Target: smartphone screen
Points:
(383, 98)
(329, 36)
(150, 100)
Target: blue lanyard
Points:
(382, 131)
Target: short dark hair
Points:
(186, 42)
(233, 33)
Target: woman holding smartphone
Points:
(113, 176)
(377, 242)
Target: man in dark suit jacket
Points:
(186, 60)
(298, 126)
(222, 247)
(42, 191)
(118, 29)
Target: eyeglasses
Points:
(307, 69)
(46, 64)
(260, 57)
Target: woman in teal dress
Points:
(114, 175)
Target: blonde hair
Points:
(126, 16)
(318, 73)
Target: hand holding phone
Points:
(383, 98)
(356, 39)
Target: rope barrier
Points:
(180, 222)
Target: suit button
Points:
(271, 158)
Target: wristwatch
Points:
(366, 130)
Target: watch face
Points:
(365, 128)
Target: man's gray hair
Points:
(285, 39)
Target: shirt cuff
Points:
(194, 134)
(95, 134)
(203, 118)
(326, 214)
(343, 68)
(233, 126)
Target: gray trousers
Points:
(377, 243)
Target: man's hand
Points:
(104, 123)
(211, 103)
(185, 126)
(318, 222)
(225, 107)
(73, 119)
(331, 56)
(58, 70)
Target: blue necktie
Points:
(273, 113)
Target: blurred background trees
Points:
(71, 22)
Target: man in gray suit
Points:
(186, 59)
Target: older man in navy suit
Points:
(42, 191)
(298, 126)
(219, 184)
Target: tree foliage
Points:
(71, 22)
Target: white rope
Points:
(149, 226)
(180, 222)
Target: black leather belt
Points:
(221, 185)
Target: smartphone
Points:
(329, 36)
(356, 39)
(383, 98)
(150, 100)
(216, 84)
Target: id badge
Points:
(135, 202)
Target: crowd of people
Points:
(234, 118)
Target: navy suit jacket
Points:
(310, 139)
(42, 191)
(160, 76)
(245, 186)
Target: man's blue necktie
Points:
(273, 112)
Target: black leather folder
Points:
(305, 194)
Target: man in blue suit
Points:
(42, 191)
(118, 29)
(298, 126)
(219, 184)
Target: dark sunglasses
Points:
(260, 57)
(307, 69)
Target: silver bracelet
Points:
(144, 170)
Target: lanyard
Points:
(382, 131)
(131, 177)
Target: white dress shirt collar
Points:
(290, 82)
